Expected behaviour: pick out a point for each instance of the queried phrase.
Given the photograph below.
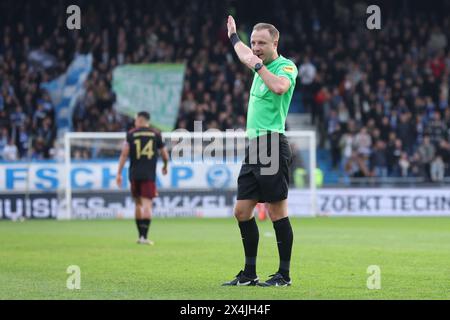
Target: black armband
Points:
(234, 39)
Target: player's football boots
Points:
(145, 241)
(276, 280)
(242, 280)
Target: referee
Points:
(259, 180)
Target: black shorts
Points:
(259, 181)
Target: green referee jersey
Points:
(267, 111)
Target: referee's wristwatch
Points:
(258, 66)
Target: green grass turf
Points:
(192, 257)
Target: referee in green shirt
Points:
(264, 176)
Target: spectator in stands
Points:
(307, 74)
(4, 119)
(57, 151)
(357, 165)
(4, 137)
(346, 147)
(46, 132)
(394, 153)
(443, 150)
(343, 114)
(18, 119)
(438, 40)
(333, 122)
(437, 129)
(38, 116)
(378, 160)
(321, 107)
(426, 152)
(385, 129)
(404, 165)
(405, 132)
(39, 150)
(335, 138)
(363, 142)
(443, 100)
(10, 151)
(437, 169)
(23, 142)
(419, 129)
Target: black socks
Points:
(250, 238)
(143, 225)
(285, 237)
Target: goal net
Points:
(202, 177)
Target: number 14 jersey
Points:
(144, 145)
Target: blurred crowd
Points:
(379, 98)
(115, 32)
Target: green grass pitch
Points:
(192, 257)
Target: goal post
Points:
(85, 151)
(69, 138)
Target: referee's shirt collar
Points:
(279, 56)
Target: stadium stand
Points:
(378, 99)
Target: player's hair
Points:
(274, 33)
(145, 115)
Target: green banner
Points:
(155, 88)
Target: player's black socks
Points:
(138, 225)
(250, 239)
(143, 225)
(285, 237)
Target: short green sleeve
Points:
(289, 71)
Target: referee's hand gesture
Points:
(245, 54)
(231, 25)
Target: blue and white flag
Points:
(67, 88)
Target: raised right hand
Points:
(231, 25)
